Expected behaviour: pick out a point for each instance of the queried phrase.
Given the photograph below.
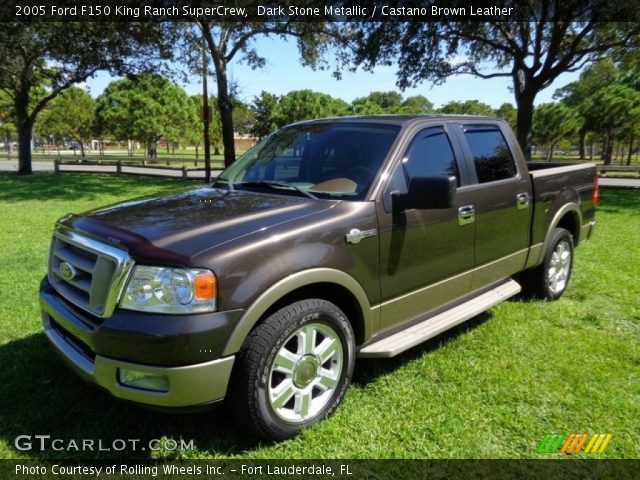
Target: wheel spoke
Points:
(303, 403)
(327, 381)
(282, 393)
(326, 349)
(306, 340)
(285, 361)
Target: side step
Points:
(399, 342)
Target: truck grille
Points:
(87, 273)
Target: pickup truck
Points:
(330, 240)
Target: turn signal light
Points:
(205, 286)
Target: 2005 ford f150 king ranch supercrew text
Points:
(330, 240)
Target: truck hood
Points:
(177, 227)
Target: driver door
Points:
(427, 256)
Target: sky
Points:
(284, 73)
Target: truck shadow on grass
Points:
(369, 370)
(43, 397)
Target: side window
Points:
(430, 154)
(491, 155)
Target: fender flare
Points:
(293, 282)
(567, 208)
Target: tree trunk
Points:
(82, 149)
(630, 151)
(25, 131)
(607, 150)
(8, 141)
(524, 100)
(583, 144)
(226, 112)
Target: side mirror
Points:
(427, 193)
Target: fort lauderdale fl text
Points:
(327, 11)
(169, 469)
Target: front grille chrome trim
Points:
(107, 274)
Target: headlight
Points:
(170, 290)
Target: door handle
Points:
(466, 214)
(522, 200)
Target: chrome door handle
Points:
(522, 200)
(466, 214)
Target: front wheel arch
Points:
(364, 319)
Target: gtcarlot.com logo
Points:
(574, 443)
(46, 442)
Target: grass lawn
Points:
(492, 388)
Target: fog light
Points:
(143, 380)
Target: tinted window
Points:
(491, 154)
(430, 154)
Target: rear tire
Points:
(293, 369)
(550, 279)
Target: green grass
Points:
(492, 388)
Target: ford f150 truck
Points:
(330, 240)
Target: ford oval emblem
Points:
(67, 271)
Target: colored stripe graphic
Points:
(598, 443)
(574, 443)
(551, 443)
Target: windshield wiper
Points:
(279, 183)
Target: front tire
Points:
(550, 279)
(293, 369)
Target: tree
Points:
(57, 55)
(146, 107)
(70, 115)
(227, 41)
(307, 104)
(263, 106)
(243, 117)
(575, 94)
(468, 107)
(553, 122)
(388, 102)
(614, 113)
(7, 123)
(193, 134)
(508, 112)
(415, 105)
(540, 41)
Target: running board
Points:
(399, 342)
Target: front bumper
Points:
(81, 344)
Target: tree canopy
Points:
(70, 115)
(553, 122)
(542, 40)
(146, 107)
(39, 60)
(307, 104)
(468, 107)
(230, 41)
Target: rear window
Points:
(491, 155)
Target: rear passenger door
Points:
(502, 203)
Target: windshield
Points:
(324, 160)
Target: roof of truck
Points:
(400, 119)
